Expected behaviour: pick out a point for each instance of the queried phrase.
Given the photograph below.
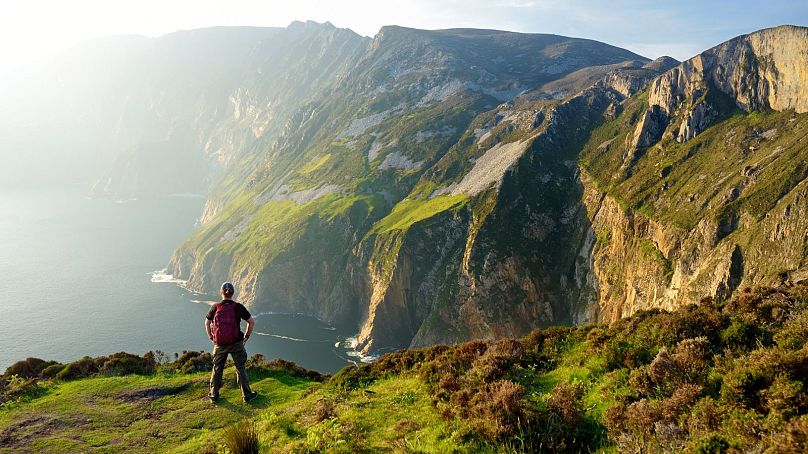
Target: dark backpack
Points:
(225, 324)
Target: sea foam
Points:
(162, 276)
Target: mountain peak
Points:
(309, 24)
(662, 63)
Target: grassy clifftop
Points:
(705, 378)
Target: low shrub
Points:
(52, 371)
(295, 370)
(193, 361)
(28, 368)
(127, 363)
(325, 409)
(82, 368)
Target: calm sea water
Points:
(76, 279)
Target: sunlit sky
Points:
(30, 29)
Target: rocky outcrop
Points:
(762, 70)
(640, 263)
(650, 128)
(733, 236)
(695, 120)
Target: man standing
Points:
(223, 326)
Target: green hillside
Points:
(704, 378)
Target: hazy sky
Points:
(680, 28)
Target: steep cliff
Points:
(437, 186)
(602, 205)
(708, 206)
(293, 229)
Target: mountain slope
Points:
(436, 186)
(698, 188)
(593, 224)
(294, 233)
(431, 218)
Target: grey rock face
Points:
(695, 121)
(762, 70)
(650, 128)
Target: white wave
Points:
(162, 276)
(283, 337)
(350, 344)
(209, 303)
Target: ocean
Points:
(83, 276)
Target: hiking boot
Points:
(213, 399)
(250, 396)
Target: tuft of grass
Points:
(242, 438)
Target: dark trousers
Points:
(239, 355)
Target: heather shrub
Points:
(692, 357)
(680, 401)
(290, 368)
(740, 335)
(159, 357)
(28, 368)
(705, 416)
(193, 361)
(126, 363)
(495, 362)
(561, 425)
(697, 320)
(640, 417)
(497, 408)
(792, 439)
(764, 307)
(785, 397)
(354, 377)
(325, 409)
(52, 371)
(710, 444)
(14, 386)
(84, 367)
(743, 385)
(565, 401)
(794, 334)
(460, 358)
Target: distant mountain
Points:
(438, 186)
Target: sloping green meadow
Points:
(712, 377)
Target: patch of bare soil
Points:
(152, 393)
(20, 435)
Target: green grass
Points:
(682, 183)
(409, 212)
(314, 164)
(594, 388)
(94, 413)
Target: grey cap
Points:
(227, 287)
